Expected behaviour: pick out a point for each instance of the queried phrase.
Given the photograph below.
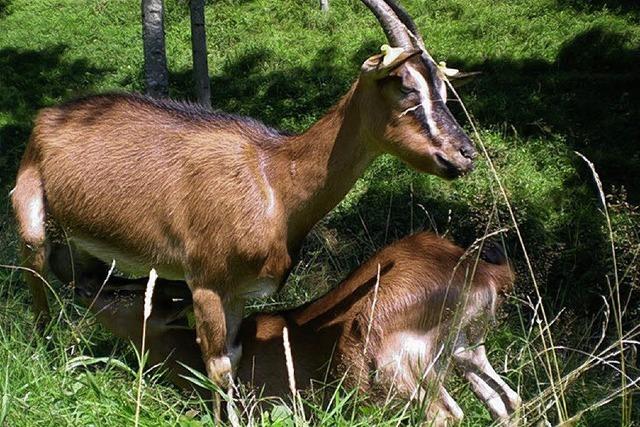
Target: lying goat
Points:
(389, 327)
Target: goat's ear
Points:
(380, 65)
(456, 77)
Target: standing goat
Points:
(220, 201)
(390, 327)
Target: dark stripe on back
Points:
(342, 306)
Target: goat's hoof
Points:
(220, 371)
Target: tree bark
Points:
(199, 50)
(155, 55)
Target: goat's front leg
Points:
(500, 399)
(451, 405)
(443, 410)
(212, 336)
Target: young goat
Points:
(389, 327)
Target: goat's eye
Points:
(407, 90)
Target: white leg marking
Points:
(220, 370)
(35, 212)
(451, 404)
(512, 398)
(500, 399)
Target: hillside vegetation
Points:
(558, 76)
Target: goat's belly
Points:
(260, 287)
(130, 264)
(405, 354)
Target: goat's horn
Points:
(394, 29)
(410, 26)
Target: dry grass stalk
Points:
(618, 310)
(373, 308)
(148, 295)
(289, 360)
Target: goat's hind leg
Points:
(29, 208)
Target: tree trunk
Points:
(199, 49)
(324, 5)
(155, 56)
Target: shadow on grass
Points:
(616, 6)
(4, 7)
(289, 98)
(590, 94)
(30, 80)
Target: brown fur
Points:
(418, 294)
(220, 201)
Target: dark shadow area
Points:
(4, 7)
(590, 94)
(617, 6)
(30, 80)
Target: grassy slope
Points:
(559, 75)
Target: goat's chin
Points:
(436, 169)
(448, 169)
(423, 164)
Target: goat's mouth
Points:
(449, 169)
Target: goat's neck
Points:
(323, 164)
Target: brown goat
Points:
(389, 327)
(220, 201)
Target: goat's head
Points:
(403, 98)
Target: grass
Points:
(558, 76)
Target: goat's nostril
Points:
(468, 152)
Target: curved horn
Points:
(391, 24)
(405, 18)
